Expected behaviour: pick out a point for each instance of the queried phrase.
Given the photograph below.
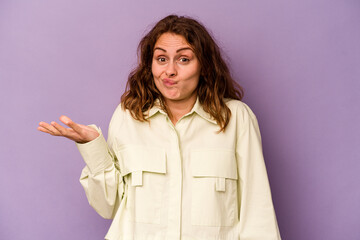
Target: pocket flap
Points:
(140, 158)
(214, 163)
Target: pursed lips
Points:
(168, 82)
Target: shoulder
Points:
(118, 116)
(118, 111)
(239, 108)
(243, 116)
(234, 104)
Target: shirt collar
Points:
(156, 108)
(201, 112)
(197, 108)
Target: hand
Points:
(77, 132)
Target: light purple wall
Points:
(299, 62)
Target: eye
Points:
(184, 60)
(161, 59)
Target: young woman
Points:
(183, 159)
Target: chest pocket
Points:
(144, 169)
(214, 187)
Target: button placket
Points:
(176, 179)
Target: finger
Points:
(49, 128)
(66, 120)
(60, 129)
(44, 130)
(72, 135)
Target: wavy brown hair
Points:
(215, 81)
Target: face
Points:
(175, 68)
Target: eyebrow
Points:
(181, 49)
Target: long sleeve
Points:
(256, 211)
(101, 178)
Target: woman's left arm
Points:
(256, 210)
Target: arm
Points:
(256, 211)
(101, 178)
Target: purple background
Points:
(299, 62)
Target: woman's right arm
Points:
(100, 178)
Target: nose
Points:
(171, 69)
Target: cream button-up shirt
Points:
(158, 181)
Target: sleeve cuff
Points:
(96, 153)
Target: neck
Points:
(179, 108)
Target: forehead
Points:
(171, 40)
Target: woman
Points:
(183, 159)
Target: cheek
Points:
(194, 77)
(156, 75)
(156, 70)
(191, 84)
(153, 70)
(195, 84)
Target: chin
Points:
(172, 97)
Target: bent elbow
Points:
(106, 211)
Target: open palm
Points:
(76, 132)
